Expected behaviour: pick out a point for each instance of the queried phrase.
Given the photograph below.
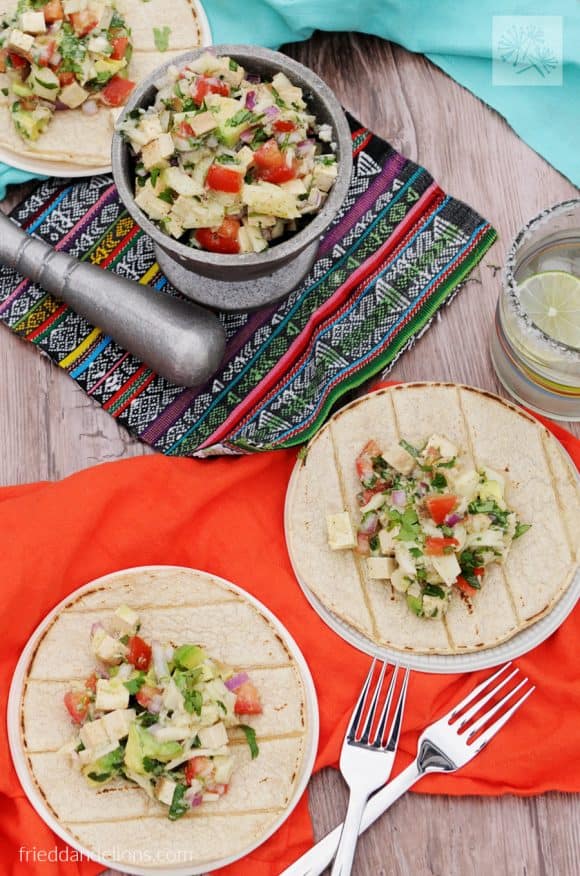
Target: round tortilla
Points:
(78, 139)
(119, 822)
(541, 486)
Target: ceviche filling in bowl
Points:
(62, 55)
(430, 523)
(228, 161)
(159, 716)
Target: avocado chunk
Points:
(30, 124)
(142, 744)
(105, 768)
(415, 603)
(189, 656)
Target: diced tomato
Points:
(364, 461)
(224, 179)
(185, 130)
(223, 240)
(435, 547)
(367, 495)
(146, 694)
(440, 506)
(77, 703)
(116, 91)
(247, 700)
(271, 164)
(465, 586)
(198, 767)
(46, 53)
(66, 77)
(284, 127)
(91, 683)
(83, 22)
(479, 571)
(139, 653)
(119, 47)
(362, 544)
(17, 62)
(53, 11)
(209, 85)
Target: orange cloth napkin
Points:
(226, 515)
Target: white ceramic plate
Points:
(45, 167)
(36, 799)
(521, 643)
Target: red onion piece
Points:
(272, 112)
(370, 524)
(155, 703)
(251, 100)
(96, 626)
(59, 106)
(452, 519)
(90, 107)
(247, 136)
(194, 798)
(423, 488)
(254, 78)
(235, 681)
(399, 497)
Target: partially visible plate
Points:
(107, 593)
(47, 167)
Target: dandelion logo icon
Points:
(527, 50)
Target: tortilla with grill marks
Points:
(76, 138)
(542, 488)
(178, 605)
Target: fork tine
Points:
(395, 731)
(359, 708)
(481, 702)
(497, 725)
(477, 725)
(378, 738)
(364, 740)
(475, 693)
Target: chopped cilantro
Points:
(409, 448)
(488, 506)
(161, 37)
(439, 481)
(250, 735)
(167, 196)
(521, 528)
(240, 118)
(448, 464)
(433, 590)
(151, 765)
(416, 552)
(178, 805)
(155, 171)
(226, 159)
(408, 522)
(222, 706)
(233, 65)
(136, 683)
(146, 719)
(374, 543)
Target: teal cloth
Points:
(459, 38)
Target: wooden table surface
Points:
(49, 428)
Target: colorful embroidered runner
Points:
(397, 251)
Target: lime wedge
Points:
(552, 301)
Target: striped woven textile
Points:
(396, 252)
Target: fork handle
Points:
(349, 836)
(315, 861)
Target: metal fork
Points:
(366, 758)
(442, 748)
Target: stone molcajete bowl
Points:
(248, 281)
